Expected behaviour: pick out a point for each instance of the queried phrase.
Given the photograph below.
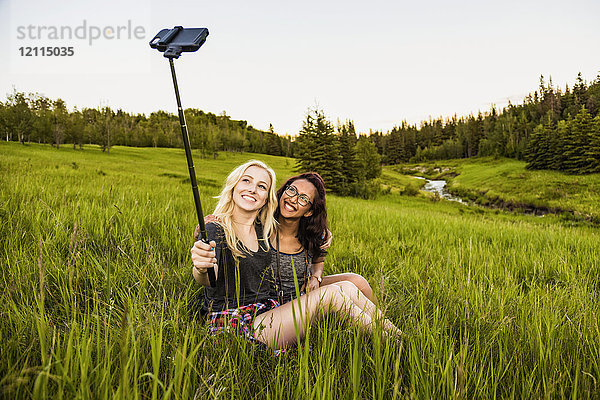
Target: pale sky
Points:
(375, 62)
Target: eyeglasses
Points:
(303, 199)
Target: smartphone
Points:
(172, 42)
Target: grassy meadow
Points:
(505, 181)
(98, 301)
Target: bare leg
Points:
(358, 280)
(359, 298)
(279, 327)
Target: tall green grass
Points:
(98, 301)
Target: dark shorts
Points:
(239, 320)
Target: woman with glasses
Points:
(275, 324)
(302, 218)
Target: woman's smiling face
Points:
(252, 190)
(289, 205)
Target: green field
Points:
(98, 301)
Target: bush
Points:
(410, 190)
(366, 189)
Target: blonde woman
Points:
(245, 211)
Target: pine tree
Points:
(309, 148)
(378, 139)
(347, 142)
(394, 153)
(543, 145)
(536, 149)
(579, 92)
(558, 159)
(318, 150)
(592, 152)
(576, 141)
(474, 134)
(409, 141)
(550, 145)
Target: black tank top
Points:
(240, 282)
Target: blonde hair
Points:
(224, 209)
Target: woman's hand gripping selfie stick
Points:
(172, 42)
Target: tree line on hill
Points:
(36, 118)
(552, 129)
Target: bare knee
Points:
(347, 287)
(358, 280)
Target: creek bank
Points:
(490, 200)
(482, 199)
(440, 189)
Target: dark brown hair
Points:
(312, 228)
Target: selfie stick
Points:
(165, 41)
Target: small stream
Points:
(439, 187)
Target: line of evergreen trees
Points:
(551, 130)
(348, 164)
(571, 145)
(36, 118)
(509, 133)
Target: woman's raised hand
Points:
(203, 255)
